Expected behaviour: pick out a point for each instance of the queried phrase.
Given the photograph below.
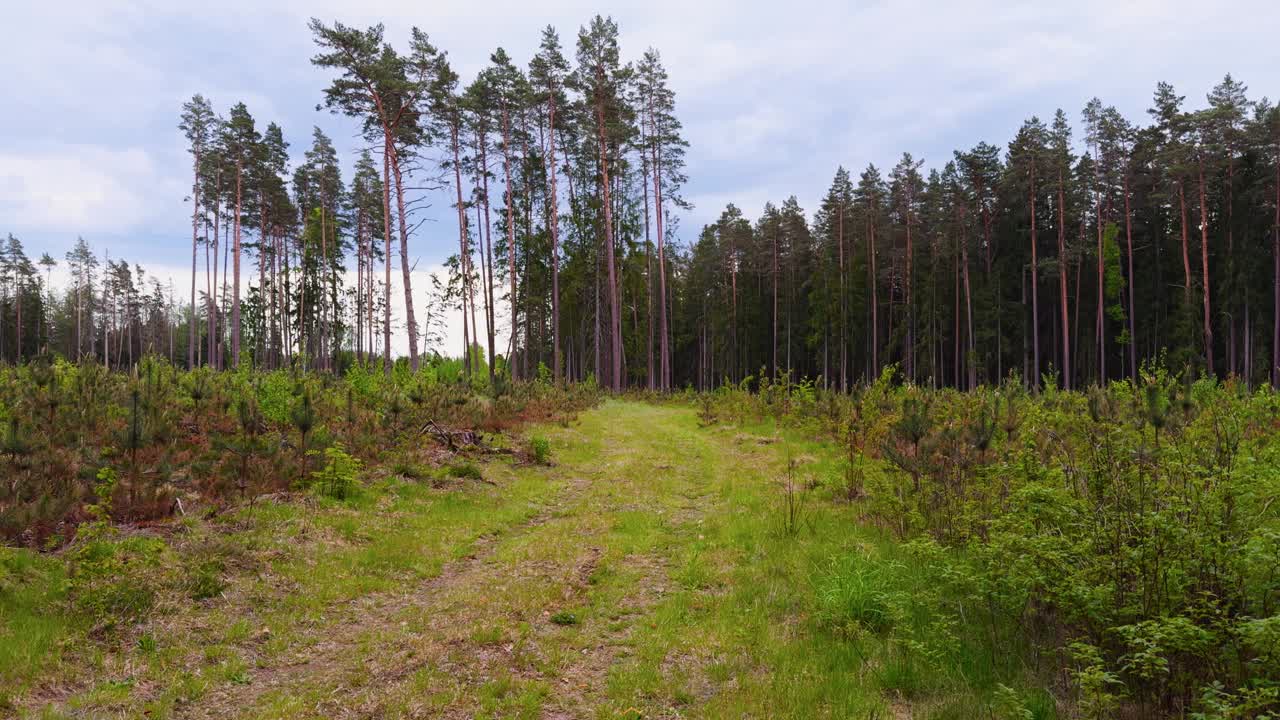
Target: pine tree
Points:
(199, 124)
(600, 76)
(547, 74)
(240, 139)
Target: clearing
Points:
(647, 573)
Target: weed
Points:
(540, 450)
(465, 471)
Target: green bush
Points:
(465, 471)
(540, 450)
(337, 479)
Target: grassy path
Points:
(645, 575)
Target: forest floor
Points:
(647, 573)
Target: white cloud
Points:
(773, 96)
(81, 188)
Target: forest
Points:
(1073, 253)
(993, 437)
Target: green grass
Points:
(645, 574)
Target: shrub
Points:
(540, 450)
(465, 471)
(338, 477)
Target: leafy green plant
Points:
(540, 450)
(303, 417)
(337, 479)
(564, 617)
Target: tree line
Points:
(561, 177)
(1073, 256)
(1053, 259)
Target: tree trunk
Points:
(487, 255)
(511, 243)
(195, 231)
(463, 255)
(1204, 266)
(1099, 327)
(405, 270)
(1062, 287)
(553, 204)
(664, 348)
(1186, 253)
(1133, 332)
(615, 318)
(774, 344)
(844, 301)
(875, 300)
(386, 258)
(911, 308)
(968, 305)
(235, 281)
(1275, 254)
(1035, 288)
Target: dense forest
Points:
(1073, 254)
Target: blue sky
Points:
(773, 95)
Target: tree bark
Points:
(1062, 286)
(195, 231)
(553, 204)
(386, 258)
(1133, 332)
(1035, 287)
(405, 270)
(615, 318)
(1204, 266)
(511, 242)
(235, 281)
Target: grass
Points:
(646, 574)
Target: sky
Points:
(773, 96)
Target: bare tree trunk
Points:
(1099, 327)
(360, 285)
(909, 281)
(968, 305)
(648, 290)
(1035, 287)
(195, 231)
(235, 283)
(1204, 266)
(1133, 332)
(486, 253)
(645, 167)
(386, 258)
(553, 203)
(875, 301)
(1275, 254)
(664, 348)
(774, 344)
(1231, 289)
(1186, 254)
(211, 289)
(511, 242)
(405, 270)
(463, 254)
(1062, 287)
(615, 318)
(842, 336)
